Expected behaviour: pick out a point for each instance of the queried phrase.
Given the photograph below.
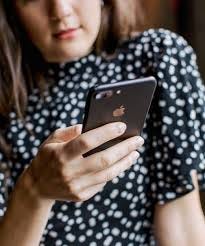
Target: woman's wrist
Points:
(27, 192)
(27, 210)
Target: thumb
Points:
(65, 134)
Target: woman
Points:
(52, 52)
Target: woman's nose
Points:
(60, 9)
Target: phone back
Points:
(126, 101)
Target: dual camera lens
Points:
(106, 94)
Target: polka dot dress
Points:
(174, 133)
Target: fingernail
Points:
(121, 127)
(139, 141)
(135, 156)
(79, 128)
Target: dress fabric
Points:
(174, 133)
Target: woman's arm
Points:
(59, 172)
(181, 222)
(26, 216)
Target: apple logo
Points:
(119, 111)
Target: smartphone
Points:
(127, 101)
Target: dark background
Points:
(186, 17)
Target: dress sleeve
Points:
(178, 113)
(4, 183)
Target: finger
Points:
(108, 157)
(93, 138)
(91, 191)
(64, 134)
(105, 175)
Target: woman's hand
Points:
(59, 171)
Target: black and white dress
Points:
(174, 133)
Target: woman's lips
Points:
(67, 34)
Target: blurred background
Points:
(185, 17)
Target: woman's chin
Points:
(60, 59)
(67, 55)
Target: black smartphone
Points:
(126, 101)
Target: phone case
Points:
(129, 106)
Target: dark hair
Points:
(22, 67)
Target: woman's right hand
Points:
(60, 172)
